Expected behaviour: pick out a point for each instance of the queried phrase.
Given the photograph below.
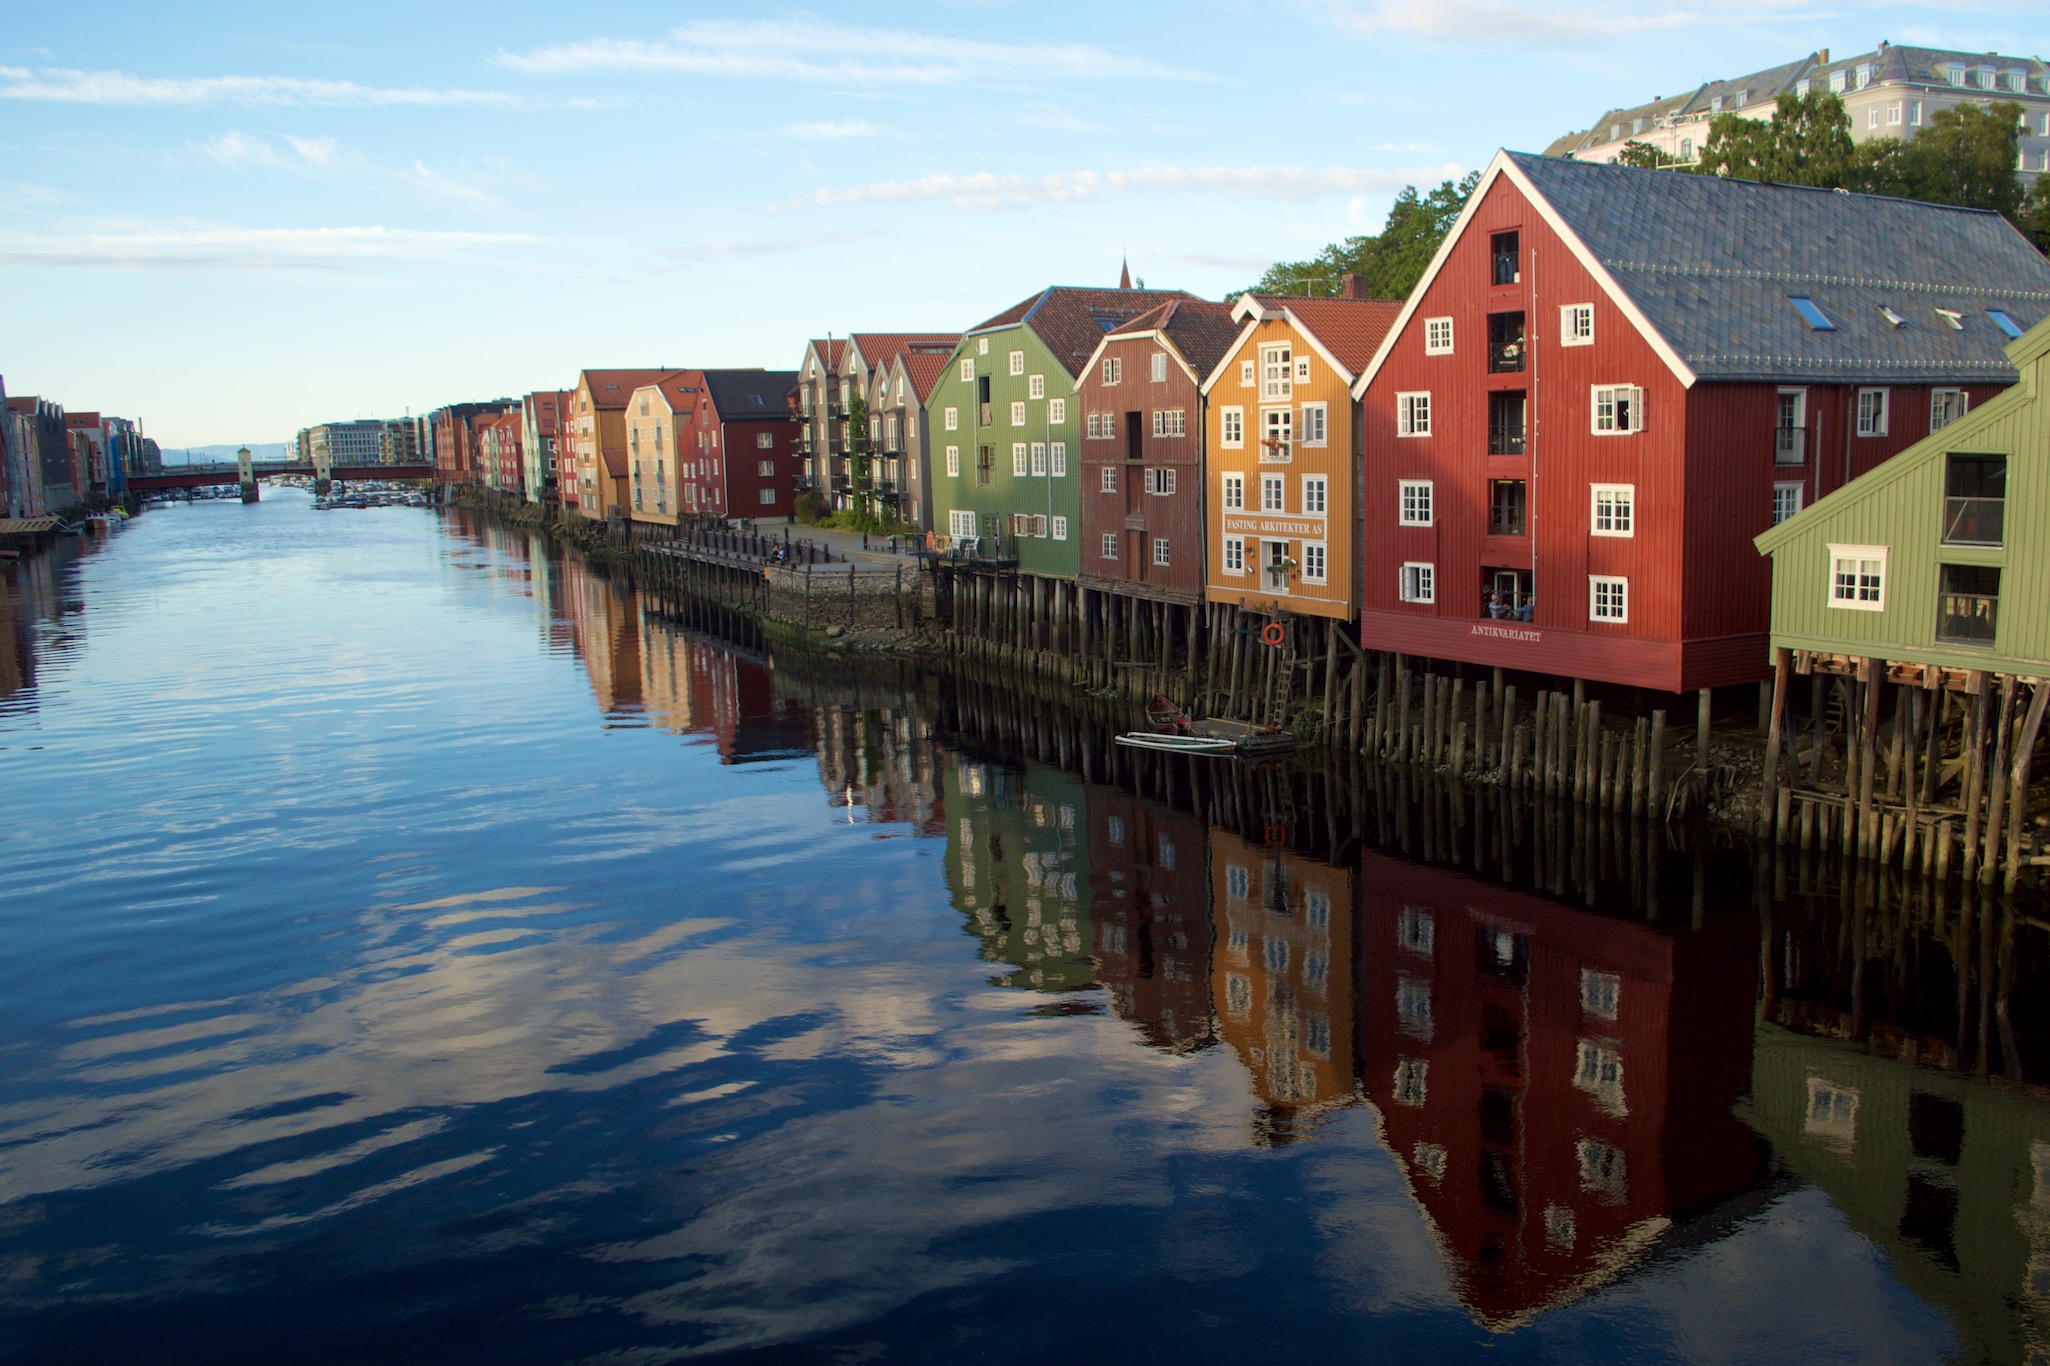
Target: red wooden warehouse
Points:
(1609, 380)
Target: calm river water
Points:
(414, 951)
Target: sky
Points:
(232, 221)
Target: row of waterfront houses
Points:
(1553, 455)
(52, 459)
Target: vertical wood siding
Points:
(1177, 516)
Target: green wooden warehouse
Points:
(1917, 601)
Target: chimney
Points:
(1350, 286)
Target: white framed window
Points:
(961, 524)
(1418, 582)
(1893, 115)
(1872, 117)
(1413, 414)
(1059, 454)
(1245, 374)
(1786, 501)
(1232, 428)
(1160, 482)
(1018, 412)
(1021, 458)
(1110, 479)
(1160, 550)
(1274, 373)
(1159, 367)
(1617, 410)
(1437, 336)
(1234, 498)
(1279, 440)
(1857, 577)
(951, 419)
(1060, 528)
(968, 369)
(1945, 407)
(1608, 598)
(1110, 545)
(1039, 458)
(768, 496)
(1314, 489)
(1035, 386)
(1576, 325)
(1273, 494)
(1315, 428)
(1096, 424)
(1615, 510)
(764, 441)
(1872, 412)
(1302, 369)
(1416, 502)
(1170, 422)
(1056, 410)
(1234, 555)
(1017, 362)
(953, 462)
(1113, 369)
(764, 468)
(1313, 562)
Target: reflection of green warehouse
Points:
(1950, 1177)
(1017, 868)
(1005, 425)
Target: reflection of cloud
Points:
(809, 50)
(118, 87)
(245, 248)
(987, 190)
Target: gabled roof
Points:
(1070, 321)
(878, 349)
(1706, 267)
(828, 353)
(1345, 332)
(679, 390)
(744, 395)
(612, 388)
(925, 369)
(1198, 331)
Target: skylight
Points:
(1896, 319)
(2004, 323)
(1954, 320)
(1817, 319)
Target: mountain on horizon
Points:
(200, 455)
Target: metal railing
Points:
(1974, 521)
(1966, 618)
(1504, 439)
(1790, 445)
(1505, 358)
(1505, 521)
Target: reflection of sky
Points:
(365, 988)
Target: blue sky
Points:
(234, 220)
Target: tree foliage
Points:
(1390, 262)
(1806, 142)
(1644, 156)
(1965, 156)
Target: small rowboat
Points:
(1178, 744)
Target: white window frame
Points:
(1942, 413)
(1246, 379)
(1231, 429)
(1316, 425)
(1616, 589)
(1302, 369)
(1576, 325)
(1161, 552)
(1017, 412)
(1316, 564)
(1017, 362)
(1056, 410)
(1039, 459)
(968, 369)
(1021, 459)
(1232, 493)
(1157, 368)
(1273, 493)
(1872, 421)
(1108, 483)
(1316, 495)
(1035, 386)
(1109, 546)
(951, 419)
(764, 441)
(1413, 413)
(1276, 373)
(1794, 487)
(765, 469)
(1417, 581)
(1437, 336)
(1615, 410)
(1160, 482)
(961, 524)
(1411, 495)
(1859, 556)
(1057, 458)
(1113, 370)
(1234, 556)
(1060, 528)
(1621, 497)
(953, 462)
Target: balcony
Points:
(1506, 423)
(1504, 439)
(1967, 618)
(1974, 521)
(1505, 343)
(1790, 446)
(1506, 504)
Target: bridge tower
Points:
(245, 467)
(323, 471)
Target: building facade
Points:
(598, 442)
(748, 463)
(1280, 481)
(1141, 453)
(1609, 380)
(661, 437)
(906, 477)
(541, 414)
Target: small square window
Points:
(1035, 386)
(1857, 577)
(1302, 369)
(1786, 501)
(1060, 528)
(1437, 336)
(1018, 413)
(1413, 414)
(1614, 512)
(1314, 563)
(1245, 374)
(1872, 412)
(1416, 502)
(1945, 407)
(967, 370)
(1608, 598)
(1618, 410)
(1017, 362)
(1110, 544)
(1576, 325)
(1110, 479)
(1232, 428)
(1417, 582)
(1056, 410)
(1234, 555)
(1160, 551)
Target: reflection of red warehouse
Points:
(1557, 1085)
(1149, 896)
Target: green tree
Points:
(858, 455)
(2035, 215)
(1644, 156)
(1388, 263)
(1965, 156)
(1807, 142)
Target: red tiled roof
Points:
(1350, 329)
(1201, 330)
(81, 419)
(828, 353)
(880, 348)
(1070, 321)
(925, 369)
(615, 461)
(612, 388)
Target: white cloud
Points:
(301, 156)
(328, 158)
(986, 190)
(1501, 23)
(225, 248)
(836, 128)
(699, 253)
(810, 50)
(66, 86)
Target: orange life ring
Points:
(1273, 633)
(1277, 833)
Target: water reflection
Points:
(683, 1001)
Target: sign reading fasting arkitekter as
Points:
(1273, 526)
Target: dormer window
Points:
(1864, 76)
(1615, 132)
(1801, 88)
(1838, 80)
(1715, 106)
(1637, 125)
(1743, 98)
(2018, 82)
(1985, 74)
(1956, 73)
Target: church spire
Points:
(1125, 274)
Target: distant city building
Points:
(1888, 92)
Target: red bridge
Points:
(193, 476)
